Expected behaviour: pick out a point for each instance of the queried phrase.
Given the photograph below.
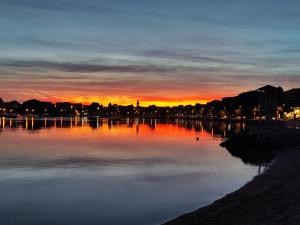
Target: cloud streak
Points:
(83, 67)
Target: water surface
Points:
(75, 171)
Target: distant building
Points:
(137, 108)
(292, 98)
(270, 100)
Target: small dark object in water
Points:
(197, 138)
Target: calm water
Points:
(88, 172)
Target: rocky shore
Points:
(272, 198)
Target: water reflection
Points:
(75, 171)
(249, 156)
(208, 130)
(217, 129)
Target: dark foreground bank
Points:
(272, 198)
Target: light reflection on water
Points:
(94, 171)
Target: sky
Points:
(164, 52)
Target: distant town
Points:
(265, 103)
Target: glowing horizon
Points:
(123, 101)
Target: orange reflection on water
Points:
(150, 127)
(108, 131)
(60, 138)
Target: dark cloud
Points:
(187, 55)
(82, 67)
(202, 64)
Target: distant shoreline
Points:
(149, 117)
(271, 198)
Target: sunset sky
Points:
(164, 52)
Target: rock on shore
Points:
(259, 146)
